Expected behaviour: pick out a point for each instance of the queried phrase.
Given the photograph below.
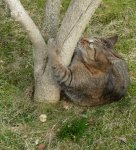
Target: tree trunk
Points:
(73, 25)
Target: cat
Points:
(96, 75)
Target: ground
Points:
(67, 127)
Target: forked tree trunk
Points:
(73, 25)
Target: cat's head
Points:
(97, 49)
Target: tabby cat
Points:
(96, 75)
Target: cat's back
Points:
(120, 71)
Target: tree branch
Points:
(40, 51)
(52, 14)
(73, 25)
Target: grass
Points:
(68, 126)
(73, 130)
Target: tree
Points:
(74, 22)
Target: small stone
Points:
(43, 118)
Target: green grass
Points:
(106, 127)
(73, 130)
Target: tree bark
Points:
(52, 18)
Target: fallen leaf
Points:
(41, 147)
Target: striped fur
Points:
(97, 74)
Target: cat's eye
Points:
(91, 43)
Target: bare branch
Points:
(39, 53)
(52, 14)
(73, 25)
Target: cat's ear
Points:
(111, 41)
